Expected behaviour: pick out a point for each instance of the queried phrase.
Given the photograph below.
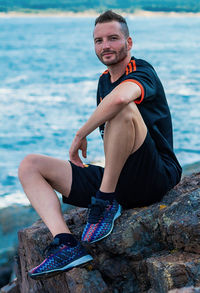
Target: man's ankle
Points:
(67, 239)
(105, 195)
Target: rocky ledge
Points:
(151, 249)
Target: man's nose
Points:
(106, 44)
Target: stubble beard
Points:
(119, 56)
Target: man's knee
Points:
(128, 114)
(129, 118)
(27, 166)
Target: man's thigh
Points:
(57, 172)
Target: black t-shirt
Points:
(152, 104)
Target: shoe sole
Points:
(77, 263)
(117, 215)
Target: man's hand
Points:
(78, 144)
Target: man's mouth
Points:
(107, 54)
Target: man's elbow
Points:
(122, 100)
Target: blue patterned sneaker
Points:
(60, 258)
(102, 215)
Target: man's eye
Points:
(97, 41)
(113, 38)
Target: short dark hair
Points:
(109, 15)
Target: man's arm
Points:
(111, 105)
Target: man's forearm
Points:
(111, 105)
(106, 110)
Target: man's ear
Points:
(129, 43)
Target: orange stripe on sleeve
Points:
(134, 65)
(130, 67)
(141, 98)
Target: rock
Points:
(151, 249)
(186, 290)
(175, 270)
(183, 215)
(82, 280)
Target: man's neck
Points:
(117, 70)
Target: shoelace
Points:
(96, 211)
(51, 248)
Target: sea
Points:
(48, 78)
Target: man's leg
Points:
(39, 176)
(124, 134)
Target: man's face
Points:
(111, 46)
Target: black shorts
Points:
(144, 179)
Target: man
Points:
(140, 165)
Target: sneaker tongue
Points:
(52, 247)
(98, 201)
(97, 209)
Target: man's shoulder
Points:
(104, 73)
(141, 64)
(139, 67)
(104, 77)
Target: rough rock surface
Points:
(151, 249)
(186, 290)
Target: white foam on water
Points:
(5, 91)
(44, 98)
(83, 92)
(16, 79)
(17, 198)
(185, 91)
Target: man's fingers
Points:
(84, 153)
(76, 161)
(84, 149)
(74, 152)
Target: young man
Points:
(140, 165)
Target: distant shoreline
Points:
(91, 13)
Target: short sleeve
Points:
(144, 77)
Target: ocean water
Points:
(48, 81)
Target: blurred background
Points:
(48, 79)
